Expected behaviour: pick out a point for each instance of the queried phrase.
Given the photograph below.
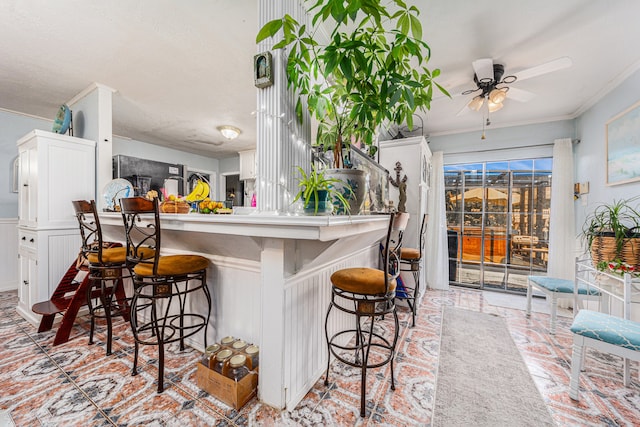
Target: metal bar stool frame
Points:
(157, 319)
(105, 263)
(410, 263)
(368, 306)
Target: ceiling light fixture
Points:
(229, 132)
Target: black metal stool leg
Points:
(105, 299)
(326, 334)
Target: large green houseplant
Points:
(369, 70)
(612, 232)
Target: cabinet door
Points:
(247, 164)
(28, 204)
(27, 276)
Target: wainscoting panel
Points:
(306, 299)
(9, 254)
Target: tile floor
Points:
(76, 384)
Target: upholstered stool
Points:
(162, 285)
(555, 288)
(105, 263)
(411, 261)
(369, 294)
(605, 333)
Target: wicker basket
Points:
(603, 248)
(175, 206)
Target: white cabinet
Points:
(415, 158)
(247, 164)
(54, 170)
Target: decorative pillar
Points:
(282, 143)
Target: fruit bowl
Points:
(214, 207)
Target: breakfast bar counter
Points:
(269, 281)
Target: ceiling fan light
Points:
(229, 132)
(493, 107)
(476, 103)
(497, 96)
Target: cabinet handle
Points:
(24, 238)
(31, 240)
(26, 282)
(25, 185)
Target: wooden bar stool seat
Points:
(162, 285)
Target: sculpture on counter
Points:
(401, 185)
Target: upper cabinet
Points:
(54, 170)
(247, 164)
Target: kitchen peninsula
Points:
(269, 281)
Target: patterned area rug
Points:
(482, 379)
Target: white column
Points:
(272, 388)
(282, 143)
(92, 119)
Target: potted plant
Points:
(316, 191)
(370, 70)
(612, 233)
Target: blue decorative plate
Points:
(115, 190)
(62, 120)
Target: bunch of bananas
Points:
(200, 192)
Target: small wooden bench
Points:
(603, 332)
(555, 288)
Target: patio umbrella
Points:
(476, 195)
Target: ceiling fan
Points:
(493, 84)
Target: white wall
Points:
(143, 150)
(510, 141)
(14, 126)
(590, 155)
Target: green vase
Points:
(324, 204)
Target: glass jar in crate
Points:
(227, 341)
(253, 353)
(222, 361)
(210, 354)
(239, 345)
(237, 369)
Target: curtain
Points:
(562, 239)
(436, 249)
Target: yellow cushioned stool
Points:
(368, 294)
(105, 264)
(162, 285)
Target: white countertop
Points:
(323, 228)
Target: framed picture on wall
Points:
(623, 146)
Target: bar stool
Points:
(161, 285)
(106, 263)
(367, 293)
(411, 260)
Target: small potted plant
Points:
(317, 191)
(612, 232)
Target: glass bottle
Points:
(252, 353)
(222, 361)
(237, 369)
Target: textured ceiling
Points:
(181, 69)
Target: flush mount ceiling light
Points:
(229, 132)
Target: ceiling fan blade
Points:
(483, 68)
(520, 95)
(547, 67)
(464, 110)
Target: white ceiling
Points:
(181, 69)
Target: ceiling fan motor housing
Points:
(486, 84)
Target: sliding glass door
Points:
(498, 222)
